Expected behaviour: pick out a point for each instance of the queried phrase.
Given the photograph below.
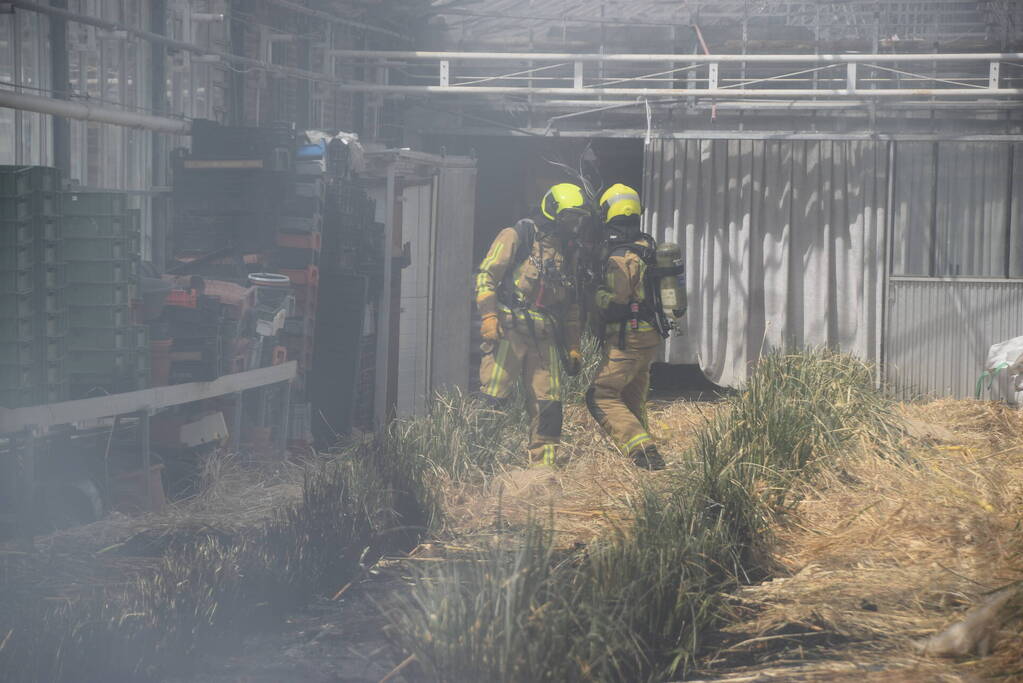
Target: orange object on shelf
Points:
(301, 278)
(160, 361)
(312, 240)
(280, 355)
(181, 297)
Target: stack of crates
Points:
(108, 352)
(299, 243)
(33, 316)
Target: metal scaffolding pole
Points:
(686, 58)
(83, 111)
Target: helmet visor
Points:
(571, 219)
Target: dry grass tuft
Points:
(590, 492)
(881, 553)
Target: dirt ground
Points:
(879, 555)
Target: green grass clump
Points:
(460, 438)
(640, 603)
(207, 593)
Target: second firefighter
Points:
(632, 331)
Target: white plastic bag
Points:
(1005, 356)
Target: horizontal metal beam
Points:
(678, 92)
(683, 58)
(762, 105)
(41, 418)
(641, 133)
(85, 111)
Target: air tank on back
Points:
(672, 287)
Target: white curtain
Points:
(784, 243)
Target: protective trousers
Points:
(617, 397)
(535, 360)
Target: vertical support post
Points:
(27, 491)
(160, 144)
(61, 83)
(850, 77)
(577, 81)
(236, 427)
(383, 331)
(445, 73)
(261, 407)
(712, 76)
(147, 457)
(994, 73)
(282, 432)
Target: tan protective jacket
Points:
(541, 285)
(622, 285)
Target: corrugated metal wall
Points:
(940, 330)
(784, 245)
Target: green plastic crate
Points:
(100, 248)
(91, 315)
(15, 376)
(131, 337)
(51, 349)
(86, 385)
(47, 228)
(50, 301)
(17, 353)
(17, 330)
(93, 361)
(24, 179)
(94, 203)
(115, 225)
(15, 207)
(121, 270)
(95, 295)
(51, 372)
(16, 233)
(52, 393)
(55, 325)
(17, 398)
(17, 280)
(51, 277)
(16, 257)
(31, 205)
(16, 305)
(48, 253)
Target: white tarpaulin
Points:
(784, 244)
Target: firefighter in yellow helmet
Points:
(525, 294)
(617, 397)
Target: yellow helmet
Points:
(560, 197)
(619, 200)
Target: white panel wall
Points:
(416, 308)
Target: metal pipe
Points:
(675, 92)
(26, 491)
(147, 457)
(83, 111)
(679, 58)
(657, 134)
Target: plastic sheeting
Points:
(784, 245)
(952, 209)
